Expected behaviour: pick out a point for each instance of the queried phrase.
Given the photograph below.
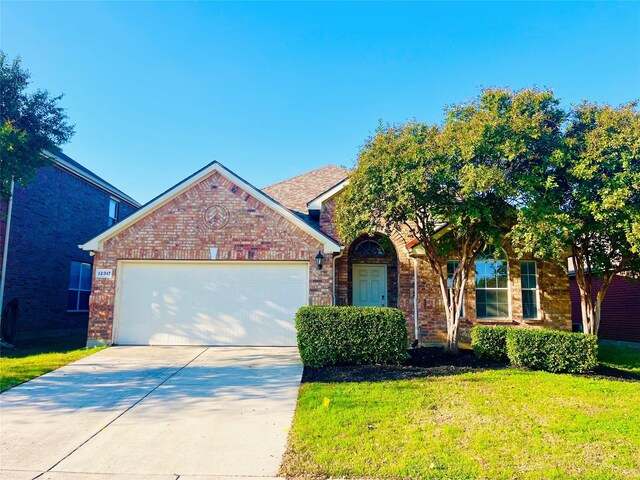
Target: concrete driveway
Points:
(153, 412)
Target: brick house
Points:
(217, 261)
(45, 280)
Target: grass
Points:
(33, 359)
(492, 424)
(625, 356)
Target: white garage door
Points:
(170, 303)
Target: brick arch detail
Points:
(390, 259)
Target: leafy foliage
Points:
(31, 122)
(453, 187)
(587, 203)
(351, 335)
(552, 350)
(490, 342)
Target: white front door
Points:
(370, 285)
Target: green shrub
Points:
(351, 335)
(490, 342)
(552, 350)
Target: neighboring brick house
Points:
(620, 316)
(217, 261)
(45, 274)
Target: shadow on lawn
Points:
(432, 362)
(422, 362)
(60, 344)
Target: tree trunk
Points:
(586, 307)
(597, 311)
(452, 299)
(452, 339)
(591, 310)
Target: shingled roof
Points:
(296, 192)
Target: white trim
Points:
(64, 165)
(316, 203)
(537, 290)
(96, 243)
(509, 289)
(416, 326)
(334, 298)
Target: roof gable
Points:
(295, 193)
(96, 243)
(70, 165)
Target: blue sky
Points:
(157, 90)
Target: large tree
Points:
(31, 122)
(450, 186)
(587, 204)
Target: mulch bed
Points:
(431, 362)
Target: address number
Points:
(104, 273)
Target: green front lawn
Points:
(493, 424)
(620, 355)
(37, 358)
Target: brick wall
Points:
(177, 231)
(327, 214)
(555, 305)
(50, 218)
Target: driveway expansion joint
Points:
(121, 414)
(201, 413)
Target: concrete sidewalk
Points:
(153, 412)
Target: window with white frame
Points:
(79, 287)
(114, 211)
(529, 282)
(451, 266)
(492, 283)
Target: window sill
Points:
(494, 320)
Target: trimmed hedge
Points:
(351, 335)
(552, 350)
(490, 343)
(549, 350)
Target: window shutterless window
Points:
(492, 284)
(529, 282)
(114, 211)
(79, 287)
(451, 266)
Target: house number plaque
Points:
(104, 273)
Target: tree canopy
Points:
(587, 205)
(453, 186)
(31, 122)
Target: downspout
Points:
(415, 299)
(333, 273)
(5, 252)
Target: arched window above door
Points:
(369, 247)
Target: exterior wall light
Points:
(319, 260)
